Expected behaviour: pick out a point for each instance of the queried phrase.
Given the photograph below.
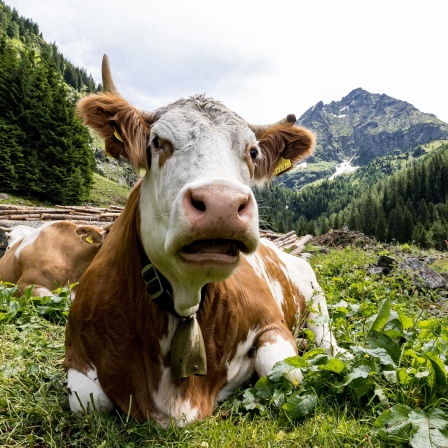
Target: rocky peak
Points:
(363, 126)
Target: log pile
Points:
(342, 238)
(78, 214)
(287, 241)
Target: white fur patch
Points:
(257, 263)
(43, 292)
(82, 389)
(167, 398)
(30, 238)
(170, 403)
(272, 352)
(240, 368)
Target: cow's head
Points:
(197, 209)
(16, 233)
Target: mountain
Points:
(361, 127)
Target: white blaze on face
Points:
(197, 165)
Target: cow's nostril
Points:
(198, 205)
(245, 202)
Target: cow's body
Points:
(53, 255)
(192, 217)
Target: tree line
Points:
(27, 32)
(44, 148)
(382, 200)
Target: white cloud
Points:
(263, 59)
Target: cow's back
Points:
(55, 254)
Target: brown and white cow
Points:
(53, 255)
(214, 304)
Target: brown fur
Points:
(290, 142)
(107, 113)
(58, 256)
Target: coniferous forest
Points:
(45, 148)
(406, 206)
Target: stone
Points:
(423, 276)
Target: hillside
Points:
(361, 127)
(24, 33)
(401, 198)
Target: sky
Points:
(262, 59)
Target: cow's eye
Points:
(156, 142)
(253, 152)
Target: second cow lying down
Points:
(53, 255)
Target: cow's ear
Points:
(282, 147)
(91, 235)
(121, 125)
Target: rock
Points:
(4, 196)
(386, 262)
(424, 277)
(306, 256)
(376, 270)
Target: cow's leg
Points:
(38, 290)
(318, 321)
(274, 344)
(83, 389)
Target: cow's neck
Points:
(187, 349)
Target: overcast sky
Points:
(263, 59)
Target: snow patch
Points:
(345, 167)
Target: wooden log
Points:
(283, 237)
(82, 208)
(298, 250)
(270, 235)
(27, 212)
(285, 242)
(23, 217)
(305, 239)
(8, 207)
(68, 217)
(109, 215)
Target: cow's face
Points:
(197, 209)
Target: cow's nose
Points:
(219, 206)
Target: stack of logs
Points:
(77, 214)
(287, 241)
(102, 215)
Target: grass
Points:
(106, 192)
(34, 407)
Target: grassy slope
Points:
(104, 192)
(107, 192)
(34, 408)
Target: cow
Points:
(184, 303)
(53, 255)
(14, 234)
